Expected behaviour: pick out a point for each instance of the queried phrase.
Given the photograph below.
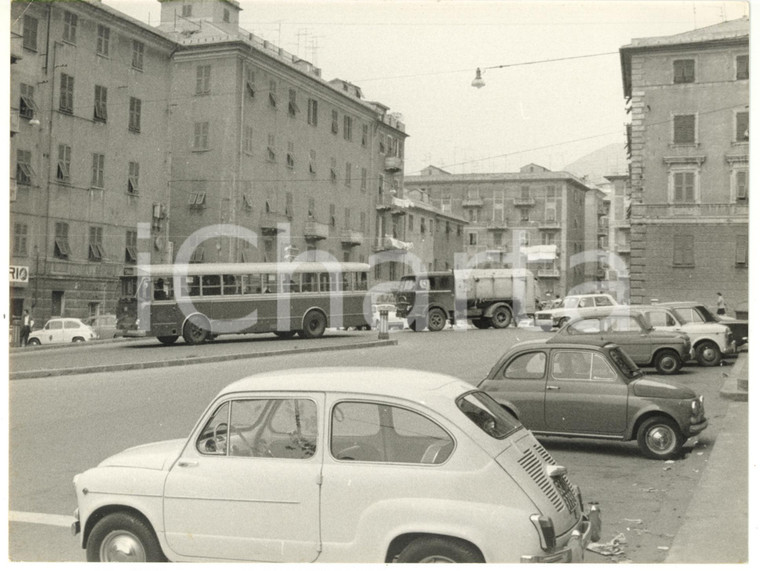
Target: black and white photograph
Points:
(479, 271)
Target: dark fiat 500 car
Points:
(594, 390)
(667, 351)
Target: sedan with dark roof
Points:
(594, 390)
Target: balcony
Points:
(351, 238)
(602, 231)
(388, 201)
(702, 212)
(554, 274)
(393, 164)
(549, 225)
(14, 121)
(270, 222)
(498, 225)
(524, 201)
(383, 243)
(314, 230)
(623, 248)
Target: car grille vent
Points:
(533, 462)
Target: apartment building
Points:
(193, 141)
(533, 218)
(688, 96)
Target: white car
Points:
(338, 465)
(572, 306)
(62, 330)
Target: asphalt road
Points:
(61, 425)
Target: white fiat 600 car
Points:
(338, 465)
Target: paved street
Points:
(61, 425)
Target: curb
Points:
(192, 360)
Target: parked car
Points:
(337, 465)
(572, 306)
(394, 322)
(62, 330)
(712, 340)
(627, 327)
(104, 325)
(695, 312)
(594, 390)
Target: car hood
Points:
(154, 456)
(651, 388)
(697, 328)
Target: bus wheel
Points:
(314, 324)
(168, 339)
(194, 331)
(285, 334)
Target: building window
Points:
(248, 139)
(203, 80)
(187, 10)
(197, 255)
(133, 182)
(364, 180)
(273, 94)
(271, 153)
(348, 174)
(742, 66)
(362, 222)
(348, 127)
(548, 238)
(66, 103)
(130, 253)
(312, 112)
(741, 251)
(740, 185)
(312, 161)
(63, 170)
(472, 238)
(250, 82)
(101, 104)
(310, 207)
(525, 214)
(365, 135)
(70, 22)
(197, 200)
(61, 245)
(135, 112)
(30, 33)
(138, 49)
(98, 170)
(683, 71)
(96, 252)
(289, 204)
(20, 233)
(24, 170)
(292, 105)
(226, 16)
(27, 104)
(104, 38)
(683, 250)
(683, 186)
(742, 126)
(334, 124)
(333, 170)
(684, 129)
(200, 136)
(290, 160)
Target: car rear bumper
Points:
(573, 551)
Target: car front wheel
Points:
(667, 362)
(123, 537)
(660, 438)
(708, 354)
(34, 341)
(439, 550)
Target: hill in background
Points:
(597, 164)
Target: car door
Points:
(630, 334)
(246, 487)
(521, 384)
(662, 319)
(54, 331)
(584, 394)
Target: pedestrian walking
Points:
(721, 304)
(26, 327)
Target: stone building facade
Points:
(688, 97)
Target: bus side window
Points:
(347, 281)
(252, 283)
(309, 282)
(270, 283)
(230, 284)
(159, 289)
(191, 286)
(324, 282)
(211, 285)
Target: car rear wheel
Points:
(708, 354)
(78, 340)
(34, 341)
(436, 319)
(660, 438)
(123, 537)
(667, 362)
(439, 550)
(501, 318)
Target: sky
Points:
(419, 58)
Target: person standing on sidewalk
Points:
(26, 327)
(721, 304)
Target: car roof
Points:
(414, 385)
(680, 303)
(608, 310)
(559, 343)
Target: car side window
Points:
(70, 324)
(602, 300)
(585, 326)
(569, 365)
(586, 302)
(601, 369)
(623, 323)
(376, 432)
(660, 319)
(54, 325)
(527, 366)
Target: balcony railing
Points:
(691, 210)
(524, 201)
(351, 237)
(549, 224)
(269, 222)
(468, 202)
(390, 243)
(623, 248)
(393, 164)
(314, 230)
(497, 225)
(544, 273)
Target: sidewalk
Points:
(715, 528)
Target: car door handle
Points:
(187, 463)
(552, 388)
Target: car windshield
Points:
(407, 284)
(488, 415)
(570, 302)
(624, 363)
(695, 314)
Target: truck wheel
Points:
(482, 323)
(708, 354)
(660, 438)
(168, 339)
(123, 537)
(439, 550)
(436, 319)
(501, 318)
(667, 362)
